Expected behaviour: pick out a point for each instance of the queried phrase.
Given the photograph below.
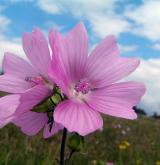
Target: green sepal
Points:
(76, 142)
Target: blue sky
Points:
(27, 14)
(135, 23)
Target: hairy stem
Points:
(62, 160)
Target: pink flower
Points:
(29, 84)
(109, 163)
(19, 75)
(89, 81)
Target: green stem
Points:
(62, 160)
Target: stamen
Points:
(82, 86)
(35, 80)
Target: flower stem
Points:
(62, 160)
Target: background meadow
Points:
(136, 24)
(122, 142)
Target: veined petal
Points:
(117, 99)
(8, 106)
(104, 75)
(55, 129)
(103, 55)
(78, 117)
(32, 97)
(31, 122)
(72, 54)
(36, 49)
(101, 59)
(56, 71)
(12, 84)
(18, 67)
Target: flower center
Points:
(82, 86)
(35, 80)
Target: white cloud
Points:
(10, 45)
(103, 25)
(104, 19)
(156, 46)
(49, 6)
(146, 18)
(149, 73)
(127, 48)
(4, 22)
(99, 13)
(78, 7)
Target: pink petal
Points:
(72, 54)
(4, 122)
(18, 67)
(55, 129)
(104, 53)
(105, 67)
(31, 122)
(36, 49)
(12, 84)
(56, 70)
(117, 99)
(32, 97)
(8, 106)
(78, 117)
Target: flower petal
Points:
(117, 99)
(12, 84)
(18, 67)
(6, 121)
(31, 122)
(104, 53)
(8, 106)
(78, 117)
(56, 70)
(101, 59)
(72, 54)
(55, 129)
(105, 66)
(36, 49)
(32, 97)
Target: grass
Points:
(130, 143)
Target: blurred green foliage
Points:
(142, 135)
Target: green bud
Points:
(76, 142)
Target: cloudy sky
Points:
(135, 23)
